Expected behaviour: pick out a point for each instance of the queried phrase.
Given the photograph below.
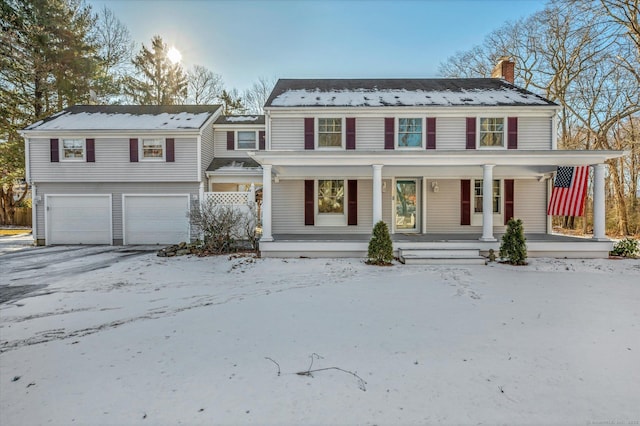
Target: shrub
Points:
(625, 248)
(380, 245)
(514, 246)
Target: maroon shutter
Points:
(55, 153)
(389, 133)
(352, 203)
(351, 133)
(512, 135)
(90, 145)
(261, 140)
(508, 199)
(231, 140)
(171, 150)
(431, 133)
(465, 202)
(133, 150)
(471, 133)
(308, 202)
(309, 142)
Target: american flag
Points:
(569, 191)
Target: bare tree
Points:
(205, 87)
(256, 96)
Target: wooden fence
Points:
(22, 217)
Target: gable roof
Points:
(128, 117)
(240, 119)
(401, 92)
(233, 163)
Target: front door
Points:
(406, 205)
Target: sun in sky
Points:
(174, 55)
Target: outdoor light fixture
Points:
(434, 186)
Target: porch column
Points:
(266, 203)
(487, 203)
(598, 203)
(377, 193)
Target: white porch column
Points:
(266, 203)
(598, 203)
(377, 193)
(487, 203)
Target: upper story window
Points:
(247, 140)
(330, 196)
(409, 133)
(492, 132)
(329, 132)
(73, 149)
(478, 196)
(152, 149)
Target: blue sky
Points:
(243, 40)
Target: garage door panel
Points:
(79, 220)
(156, 219)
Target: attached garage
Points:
(155, 219)
(78, 219)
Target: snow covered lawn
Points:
(153, 340)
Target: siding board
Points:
(287, 134)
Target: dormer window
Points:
(410, 133)
(72, 149)
(491, 132)
(330, 132)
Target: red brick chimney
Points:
(504, 69)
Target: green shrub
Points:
(380, 245)
(514, 246)
(625, 248)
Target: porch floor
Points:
(424, 238)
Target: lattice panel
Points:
(228, 198)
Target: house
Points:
(118, 174)
(328, 160)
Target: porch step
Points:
(462, 256)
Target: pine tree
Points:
(232, 102)
(380, 245)
(161, 82)
(514, 246)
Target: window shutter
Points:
(389, 133)
(170, 155)
(431, 133)
(261, 140)
(351, 133)
(508, 199)
(308, 202)
(471, 133)
(90, 146)
(465, 202)
(55, 154)
(512, 136)
(309, 141)
(231, 140)
(352, 203)
(133, 150)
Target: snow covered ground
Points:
(145, 340)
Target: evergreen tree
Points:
(380, 246)
(232, 102)
(514, 246)
(161, 82)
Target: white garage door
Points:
(155, 219)
(78, 219)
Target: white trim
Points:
(394, 194)
(61, 149)
(47, 229)
(423, 127)
(27, 160)
(424, 204)
(316, 132)
(554, 131)
(124, 210)
(141, 157)
(198, 156)
(236, 140)
(106, 134)
(505, 132)
(34, 213)
(476, 218)
(331, 219)
(267, 131)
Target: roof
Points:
(401, 92)
(128, 117)
(237, 163)
(240, 119)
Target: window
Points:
(492, 132)
(409, 133)
(73, 149)
(329, 132)
(478, 196)
(152, 149)
(247, 140)
(331, 197)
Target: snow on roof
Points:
(127, 117)
(401, 92)
(240, 119)
(243, 118)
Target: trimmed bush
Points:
(380, 245)
(514, 246)
(625, 248)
